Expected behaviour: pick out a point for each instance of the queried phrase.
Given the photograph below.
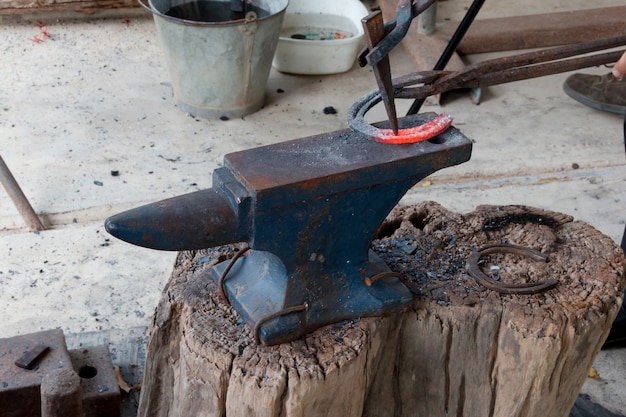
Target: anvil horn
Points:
(202, 219)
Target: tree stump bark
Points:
(460, 349)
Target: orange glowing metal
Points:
(428, 130)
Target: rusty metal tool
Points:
(381, 38)
(30, 358)
(309, 209)
(19, 387)
(507, 69)
(374, 32)
(60, 394)
(25, 390)
(510, 68)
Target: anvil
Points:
(309, 209)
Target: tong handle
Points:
(510, 68)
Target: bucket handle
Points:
(250, 17)
(250, 23)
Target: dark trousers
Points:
(623, 310)
(624, 235)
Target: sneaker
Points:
(601, 92)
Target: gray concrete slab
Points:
(95, 100)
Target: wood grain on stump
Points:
(460, 349)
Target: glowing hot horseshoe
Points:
(428, 130)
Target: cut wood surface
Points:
(460, 349)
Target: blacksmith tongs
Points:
(507, 69)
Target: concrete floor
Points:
(95, 99)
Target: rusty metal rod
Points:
(497, 77)
(484, 68)
(220, 283)
(511, 68)
(374, 32)
(257, 328)
(549, 68)
(19, 199)
(370, 280)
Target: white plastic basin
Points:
(320, 36)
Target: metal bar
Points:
(508, 69)
(532, 58)
(30, 358)
(451, 47)
(524, 73)
(374, 29)
(19, 199)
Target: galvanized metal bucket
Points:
(219, 69)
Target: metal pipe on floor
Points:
(19, 199)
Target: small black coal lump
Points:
(330, 110)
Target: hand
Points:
(619, 70)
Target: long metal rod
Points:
(454, 42)
(509, 69)
(19, 199)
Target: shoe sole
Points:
(598, 105)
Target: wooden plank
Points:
(17, 7)
(538, 31)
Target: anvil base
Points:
(257, 286)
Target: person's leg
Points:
(617, 336)
(624, 235)
(601, 92)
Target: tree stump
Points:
(460, 349)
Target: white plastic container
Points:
(320, 36)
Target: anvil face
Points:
(309, 209)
